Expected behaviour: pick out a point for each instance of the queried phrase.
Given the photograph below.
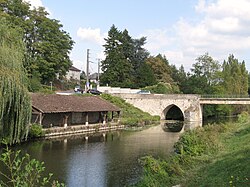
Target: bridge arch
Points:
(173, 112)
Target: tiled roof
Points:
(72, 68)
(54, 103)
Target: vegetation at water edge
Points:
(20, 170)
(216, 155)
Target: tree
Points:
(15, 104)
(145, 76)
(47, 45)
(204, 77)
(249, 84)
(124, 64)
(161, 68)
(179, 77)
(234, 77)
(116, 67)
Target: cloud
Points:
(37, 4)
(91, 35)
(157, 39)
(223, 28)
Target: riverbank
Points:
(216, 155)
(130, 115)
(81, 129)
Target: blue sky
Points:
(182, 30)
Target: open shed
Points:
(65, 110)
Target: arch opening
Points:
(173, 112)
(174, 119)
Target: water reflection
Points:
(172, 125)
(101, 160)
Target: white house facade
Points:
(73, 73)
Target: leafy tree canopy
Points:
(47, 45)
(15, 104)
(161, 68)
(234, 77)
(124, 64)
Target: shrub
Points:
(35, 84)
(243, 117)
(162, 88)
(199, 141)
(35, 131)
(23, 171)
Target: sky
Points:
(182, 30)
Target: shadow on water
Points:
(172, 125)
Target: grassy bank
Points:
(216, 155)
(131, 115)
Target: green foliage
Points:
(231, 166)
(243, 117)
(47, 46)
(235, 77)
(156, 172)
(162, 88)
(35, 84)
(124, 65)
(15, 104)
(216, 155)
(35, 131)
(47, 89)
(161, 68)
(23, 171)
(199, 141)
(131, 115)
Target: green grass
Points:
(131, 115)
(230, 167)
(216, 155)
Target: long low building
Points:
(66, 110)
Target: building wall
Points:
(73, 75)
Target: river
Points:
(109, 159)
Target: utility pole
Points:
(98, 74)
(87, 72)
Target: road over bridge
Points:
(185, 107)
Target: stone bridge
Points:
(184, 107)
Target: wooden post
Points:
(104, 118)
(87, 119)
(40, 118)
(66, 120)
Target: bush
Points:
(162, 88)
(23, 171)
(243, 117)
(35, 84)
(35, 131)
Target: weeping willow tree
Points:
(15, 103)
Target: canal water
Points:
(109, 159)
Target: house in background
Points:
(69, 110)
(93, 78)
(73, 74)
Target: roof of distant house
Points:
(72, 68)
(53, 103)
(93, 76)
